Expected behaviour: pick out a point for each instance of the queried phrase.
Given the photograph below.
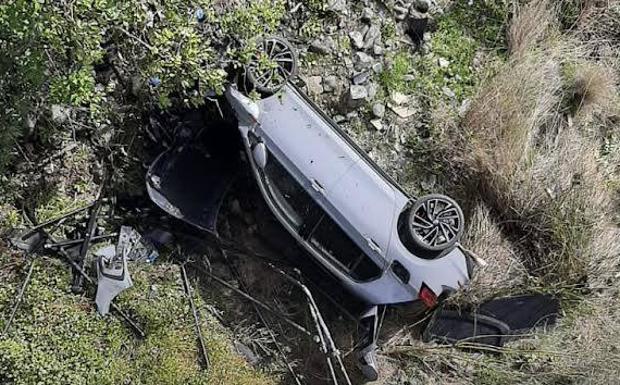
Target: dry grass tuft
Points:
(505, 117)
(504, 272)
(560, 205)
(594, 89)
(530, 26)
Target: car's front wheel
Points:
(273, 64)
(435, 222)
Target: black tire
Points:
(435, 223)
(271, 80)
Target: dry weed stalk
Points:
(529, 27)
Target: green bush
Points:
(50, 52)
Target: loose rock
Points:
(314, 84)
(403, 111)
(372, 90)
(330, 83)
(323, 46)
(448, 92)
(357, 92)
(372, 35)
(378, 110)
(357, 38)
(376, 123)
(377, 67)
(399, 98)
(337, 5)
(361, 78)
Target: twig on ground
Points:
(201, 341)
(19, 298)
(262, 319)
(256, 301)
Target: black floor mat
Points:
(495, 321)
(450, 327)
(523, 313)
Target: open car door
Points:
(190, 180)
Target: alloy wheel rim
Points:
(436, 222)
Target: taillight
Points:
(427, 296)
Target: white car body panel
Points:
(363, 201)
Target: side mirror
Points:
(259, 153)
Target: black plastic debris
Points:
(523, 313)
(450, 326)
(494, 322)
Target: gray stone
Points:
(372, 90)
(357, 38)
(337, 5)
(409, 78)
(372, 35)
(403, 111)
(377, 67)
(352, 115)
(448, 92)
(246, 353)
(376, 123)
(443, 63)
(60, 113)
(330, 83)
(363, 58)
(357, 93)
(464, 107)
(323, 46)
(401, 12)
(361, 77)
(378, 110)
(399, 98)
(377, 50)
(314, 84)
(339, 118)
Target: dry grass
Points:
(529, 26)
(560, 205)
(594, 89)
(504, 271)
(505, 117)
(543, 216)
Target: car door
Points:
(314, 226)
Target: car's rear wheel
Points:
(273, 64)
(435, 222)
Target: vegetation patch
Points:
(58, 338)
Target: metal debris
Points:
(137, 247)
(112, 277)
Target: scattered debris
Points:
(139, 248)
(112, 276)
(494, 322)
(78, 281)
